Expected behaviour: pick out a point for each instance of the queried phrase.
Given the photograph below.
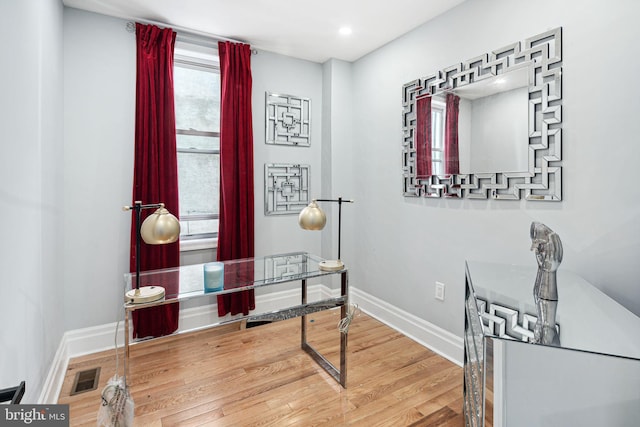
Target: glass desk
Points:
(187, 282)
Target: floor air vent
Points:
(254, 323)
(85, 381)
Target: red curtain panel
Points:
(155, 171)
(236, 223)
(451, 156)
(423, 137)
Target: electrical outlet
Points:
(439, 291)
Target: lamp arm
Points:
(338, 200)
(138, 205)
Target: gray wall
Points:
(406, 244)
(32, 303)
(337, 154)
(99, 96)
(281, 74)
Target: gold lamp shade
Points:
(161, 227)
(312, 217)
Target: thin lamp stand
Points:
(339, 201)
(146, 293)
(337, 264)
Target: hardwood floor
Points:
(261, 377)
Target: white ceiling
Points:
(306, 29)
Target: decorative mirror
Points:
(288, 120)
(490, 127)
(286, 188)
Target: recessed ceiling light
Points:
(345, 31)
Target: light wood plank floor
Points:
(261, 377)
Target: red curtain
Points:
(451, 156)
(423, 137)
(155, 170)
(236, 225)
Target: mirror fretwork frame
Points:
(542, 55)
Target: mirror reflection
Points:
(477, 128)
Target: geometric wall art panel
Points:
(288, 120)
(286, 188)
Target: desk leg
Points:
(303, 326)
(344, 290)
(339, 375)
(126, 342)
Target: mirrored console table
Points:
(591, 379)
(187, 283)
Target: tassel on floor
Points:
(116, 409)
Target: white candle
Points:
(213, 276)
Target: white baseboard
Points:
(440, 341)
(84, 341)
(53, 383)
(75, 343)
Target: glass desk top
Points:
(188, 282)
(185, 282)
(589, 320)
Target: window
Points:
(197, 104)
(438, 111)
